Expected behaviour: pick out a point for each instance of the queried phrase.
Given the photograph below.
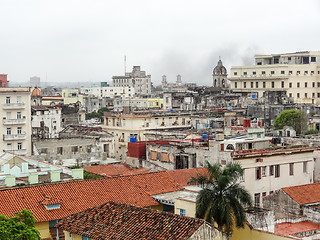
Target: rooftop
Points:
(304, 194)
(297, 230)
(121, 221)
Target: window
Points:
(312, 72)
(74, 149)
(257, 199)
(18, 99)
(313, 59)
(8, 100)
(44, 150)
(8, 131)
(235, 73)
(245, 85)
(272, 84)
(263, 72)
(264, 84)
(305, 72)
(257, 84)
(298, 84)
(263, 170)
(298, 72)
(235, 84)
(258, 173)
(270, 192)
(282, 72)
(59, 150)
(290, 94)
(277, 171)
(9, 146)
(271, 170)
(251, 84)
(290, 84)
(19, 145)
(318, 84)
(242, 176)
(19, 130)
(306, 95)
(182, 212)
(306, 84)
(305, 167)
(254, 73)
(318, 95)
(289, 58)
(18, 115)
(313, 95)
(264, 194)
(272, 72)
(291, 165)
(245, 73)
(313, 84)
(298, 95)
(290, 72)
(282, 84)
(259, 63)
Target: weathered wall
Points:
(207, 232)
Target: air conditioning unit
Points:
(259, 160)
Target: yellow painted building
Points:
(71, 96)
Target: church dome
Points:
(219, 69)
(36, 92)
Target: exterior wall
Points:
(51, 118)
(189, 206)
(207, 232)
(74, 236)
(316, 158)
(109, 92)
(268, 183)
(282, 205)
(301, 81)
(43, 228)
(71, 96)
(16, 116)
(247, 233)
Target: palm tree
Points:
(222, 199)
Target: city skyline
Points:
(86, 41)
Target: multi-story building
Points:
(296, 73)
(127, 104)
(34, 81)
(72, 96)
(109, 92)
(136, 79)
(16, 120)
(124, 126)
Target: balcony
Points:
(14, 106)
(19, 151)
(17, 121)
(13, 137)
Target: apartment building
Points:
(72, 96)
(136, 79)
(16, 120)
(296, 73)
(109, 92)
(124, 126)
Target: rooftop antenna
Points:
(125, 64)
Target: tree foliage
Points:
(294, 118)
(98, 114)
(19, 227)
(222, 199)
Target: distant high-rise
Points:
(3, 80)
(34, 81)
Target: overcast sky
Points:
(86, 40)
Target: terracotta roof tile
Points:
(112, 170)
(304, 194)
(77, 196)
(121, 221)
(286, 229)
(182, 176)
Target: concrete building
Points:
(127, 105)
(3, 80)
(296, 73)
(178, 86)
(34, 81)
(72, 96)
(124, 126)
(137, 79)
(109, 92)
(16, 120)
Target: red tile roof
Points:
(121, 221)
(304, 194)
(286, 229)
(112, 170)
(182, 176)
(77, 196)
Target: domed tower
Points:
(36, 97)
(220, 76)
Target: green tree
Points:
(222, 199)
(20, 227)
(294, 118)
(98, 114)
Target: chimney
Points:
(55, 176)
(77, 173)
(10, 181)
(33, 178)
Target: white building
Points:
(109, 92)
(16, 120)
(296, 73)
(136, 79)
